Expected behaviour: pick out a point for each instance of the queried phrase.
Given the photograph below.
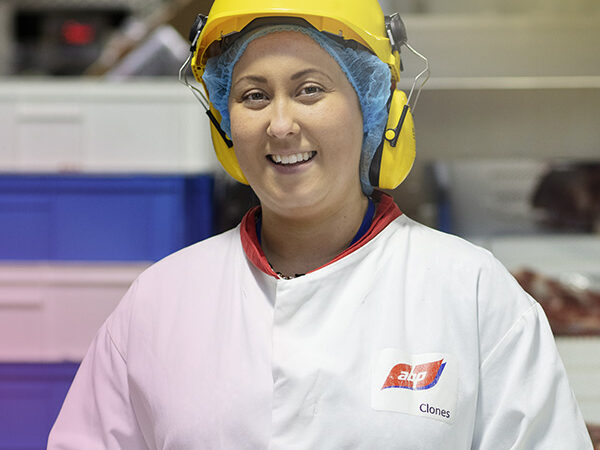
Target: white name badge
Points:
(422, 385)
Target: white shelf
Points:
(51, 312)
(507, 83)
(579, 355)
(89, 126)
(505, 45)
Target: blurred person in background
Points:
(327, 319)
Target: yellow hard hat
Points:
(362, 21)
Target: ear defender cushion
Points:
(395, 156)
(225, 154)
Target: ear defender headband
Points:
(393, 158)
(396, 153)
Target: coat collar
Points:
(387, 211)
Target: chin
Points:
(300, 203)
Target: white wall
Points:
(502, 86)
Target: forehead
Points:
(288, 49)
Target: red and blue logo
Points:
(415, 378)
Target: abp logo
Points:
(418, 377)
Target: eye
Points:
(311, 89)
(254, 98)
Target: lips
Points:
(294, 158)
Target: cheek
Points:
(246, 123)
(236, 123)
(248, 145)
(242, 147)
(355, 118)
(243, 134)
(344, 127)
(355, 129)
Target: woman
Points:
(327, 319)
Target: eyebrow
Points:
(259, 79)
(254, 78)
(308, 71)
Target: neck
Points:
(296, 245)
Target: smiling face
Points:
(296, 126)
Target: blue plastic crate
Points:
(102, 218)
(31, 396)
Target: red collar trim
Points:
(386, 212)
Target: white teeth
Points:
(292, 159)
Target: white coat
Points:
(414, 340)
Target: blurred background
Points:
(106, 166)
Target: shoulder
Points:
(197, 267)
(466, 278)
(433, 248)
(186, 280)
(435, 260)
(462, 259)
(200, 258)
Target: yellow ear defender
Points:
(362, 22)
(396, 153)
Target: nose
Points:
(282, 121)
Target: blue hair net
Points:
(369, 76)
